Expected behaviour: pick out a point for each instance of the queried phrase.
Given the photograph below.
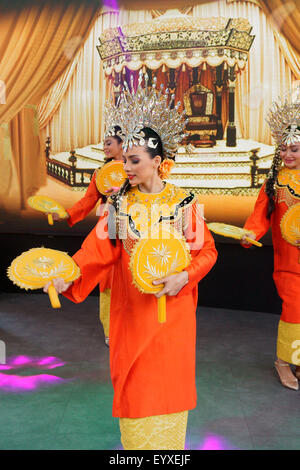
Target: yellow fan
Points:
(111, 174)
(165, 253)
(290, 225)
(34, 268)
(47, 204)
(232, 231)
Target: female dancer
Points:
(113, 152)
(278, 196)
(152, 364)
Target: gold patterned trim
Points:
(290, 225)
(226, 191)
(287, 186)
(210, 177)
(211, 165)
(138, 209)
(288, 342)
(199, 132)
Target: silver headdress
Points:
(284, 118)
(149, 107)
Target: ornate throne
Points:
(202, 125)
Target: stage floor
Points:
(241, 404)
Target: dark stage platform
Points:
(56, 392)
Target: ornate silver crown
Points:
(284, 118)
(148, 107)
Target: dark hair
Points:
(117, 138)
(116, 198)
(270, 184)
(151, 134)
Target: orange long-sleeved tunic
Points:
(286, 256)
(152, 364)
(81, 209)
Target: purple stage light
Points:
(17, 362)
(17, 383)
(215, 442)
(212, 443)
(21, 361)
(20, 383)
(50, 362)
(111, 4)
(5, 367)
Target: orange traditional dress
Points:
(78, 212)
(286, 258)
(152, 364)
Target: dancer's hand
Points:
(249, 235)
(172, 284)
(59, 284)
(56, 217)
(112, 190)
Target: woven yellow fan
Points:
(165, 253)
(231, 231)
(290, 225)
(34, 268)
(47, 204)
(111, 174)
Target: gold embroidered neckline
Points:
(289, 179)
(139, 211)
(170, 195)
(142, 193)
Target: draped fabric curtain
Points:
(291, 56)
(51, 101)
(277, 18)
(267, 74)
(79, 120)
(286, 17)
(35, 45)
(272, 68)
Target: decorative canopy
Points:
(176, 40)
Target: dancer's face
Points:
(290, 155)
(112, 148)
(139, 165)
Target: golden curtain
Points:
(267, 74)
(277, 19)
(78, 121)
(51, 101)
(36, 46)
(286, 16)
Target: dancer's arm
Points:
(84, 206)
(258, 221)
(95, 259)
(203, 252)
